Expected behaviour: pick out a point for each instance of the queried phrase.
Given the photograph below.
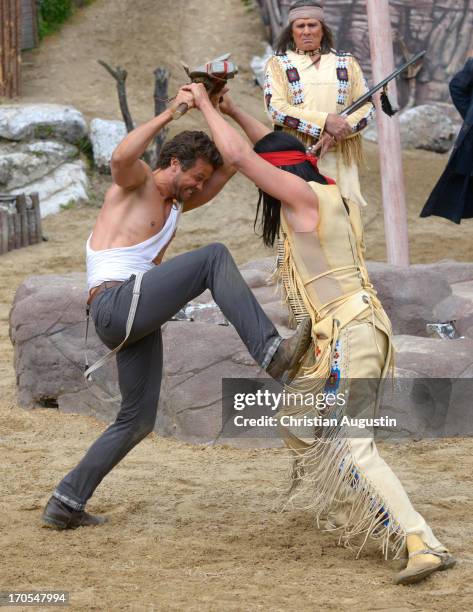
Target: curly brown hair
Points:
(188, 147)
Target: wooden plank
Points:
(16, 230)
(10, 43)
(3, 232)
(17, 50)
(3, 46)
(21, 208)
(11, 232)
(37, 213)
(31, 220)
(2, 50)
(34, 13)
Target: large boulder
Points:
(65, 185)
(258, 65)
(47, 328)
(21, 163)
(419, 294)
(39, 152)
(433, 127)
(105, 136)
(430, 395)
(42, 121)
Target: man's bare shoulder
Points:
(116, 193)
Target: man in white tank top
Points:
(135, 225)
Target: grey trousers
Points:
(164, 291)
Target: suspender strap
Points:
(129, 324)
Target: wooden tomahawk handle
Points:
(181, 110)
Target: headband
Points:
(306, 12)
(292, 158)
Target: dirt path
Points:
(197, 528)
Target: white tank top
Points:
(120, 263)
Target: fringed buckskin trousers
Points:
(165, 290)
(341, 476)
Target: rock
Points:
(65, 185)
(258, 65)
(42, 121)
(409, 295)
(47, 328)
(37, 154)
(105, 137)
(453, 271)
(431, 395)
(428, 126)
(425, 293)
(434, 357)
(22, 163)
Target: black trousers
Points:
(164, 291)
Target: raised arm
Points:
(128, 171)
(237, 152)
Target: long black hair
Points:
(271, 207)
(285, 39)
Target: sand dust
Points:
(191, 527)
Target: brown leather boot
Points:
(59, 516)
(290, 352)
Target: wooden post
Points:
(31, 218)
(16, 230)
(3, 231)
(10, 48)
(389, 139)
(37, 214)
(21, 207)
(11, 232)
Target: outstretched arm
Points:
(128, 171)
(237, 152)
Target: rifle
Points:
(214, 75)
(382, 84)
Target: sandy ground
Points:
(191, 527)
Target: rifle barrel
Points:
(358, 103)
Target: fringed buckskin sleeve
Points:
(360, 118)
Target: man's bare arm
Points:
(128, 171)
(211, 188)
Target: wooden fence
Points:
(20, 221)
(10, 48)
